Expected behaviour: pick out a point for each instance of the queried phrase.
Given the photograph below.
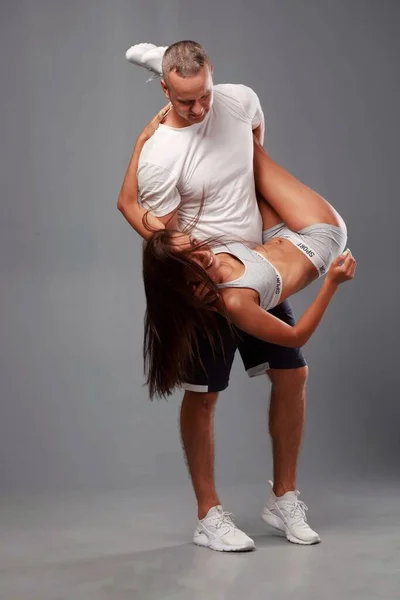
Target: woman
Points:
(303, 239)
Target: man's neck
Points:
(175, 121)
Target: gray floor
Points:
(136, 545)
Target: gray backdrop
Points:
(74, 411)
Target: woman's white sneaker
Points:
(152, 59)
(135, 53)
(148, 56)
(288, 514)
(217, 531)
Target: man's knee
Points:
(293, 379)
(200, 400)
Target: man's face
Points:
(191, 97)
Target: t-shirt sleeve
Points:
(252, 106)
(158, 190)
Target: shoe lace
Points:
(225, 521)
(298, 510)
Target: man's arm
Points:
(258, 132)
(165, 196)
(128, 201)
(258, 117)
(253, 110)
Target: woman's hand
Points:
(151, 127)
(342, 269)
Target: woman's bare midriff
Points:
(296, 270)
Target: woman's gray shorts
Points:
(321, 243)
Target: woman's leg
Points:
(269, 216)
(296, 204)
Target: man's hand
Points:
(151, 127)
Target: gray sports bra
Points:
(259, 274)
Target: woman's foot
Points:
(148, 56)
(135, 53)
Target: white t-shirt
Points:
(211, 160)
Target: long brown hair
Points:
(175, 318)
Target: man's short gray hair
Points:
(185, 58)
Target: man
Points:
(204, 150)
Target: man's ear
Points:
(165, 89)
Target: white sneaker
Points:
(148, 56)
(217, 531)
(134, 53)
(152, 59)
(288, 514)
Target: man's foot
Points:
(288, 514)
(217, 531)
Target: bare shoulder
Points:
(237, 299)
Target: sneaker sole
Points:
(202, 540)
(280, 525)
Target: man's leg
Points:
(197, 432)
(286, 424)
(288, 372)
(283, 510)
(209, 375)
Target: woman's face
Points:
(200, 253)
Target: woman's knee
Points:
(332, 217)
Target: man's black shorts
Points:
(212, 368)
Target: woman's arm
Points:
(250, 317)
(128, 197)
